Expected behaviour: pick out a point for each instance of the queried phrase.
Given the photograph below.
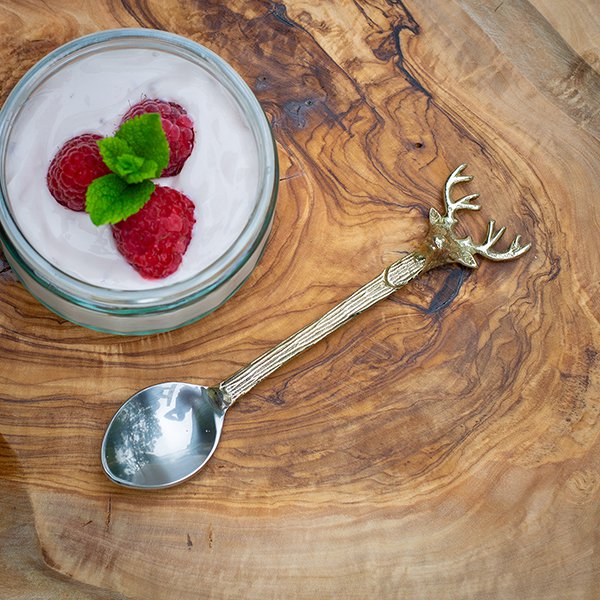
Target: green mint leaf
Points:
(134, 169)
(120, 159)
(110, 199)
(110, 150)
(138, 152)
(146, 138)
(128, 164)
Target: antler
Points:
(463, 203)
(444, 246)
(485, 249)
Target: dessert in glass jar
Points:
(226, 172)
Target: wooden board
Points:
(446, 443)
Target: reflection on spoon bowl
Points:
(163, 435)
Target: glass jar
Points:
(121, 309)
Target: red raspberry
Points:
(73, 168)
(178, 128)
(154, 239)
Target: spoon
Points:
(166, 433)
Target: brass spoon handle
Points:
(441, 246)
(394, 277)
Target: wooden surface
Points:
(443, 445)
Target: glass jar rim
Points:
(215, 274)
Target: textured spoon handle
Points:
(441, 246)
(394, 277)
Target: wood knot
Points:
(261, 83)
(583, 486)
(297, 111)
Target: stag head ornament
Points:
(442, 244)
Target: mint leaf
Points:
(146, 138)
(110, 199)
(110, 150)
(134, 169)
(120, 158)
(138, 152)
(127, 164)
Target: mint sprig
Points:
(146, 138)
(138, 152)
(120, 158)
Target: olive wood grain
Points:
(446, 443)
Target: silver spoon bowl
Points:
(163, 434)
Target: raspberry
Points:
(178, 128)
(154, 239)
(73, 168)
